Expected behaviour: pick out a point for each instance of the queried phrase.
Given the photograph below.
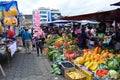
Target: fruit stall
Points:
(8, 26)
(74, 64)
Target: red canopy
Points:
(99, 16)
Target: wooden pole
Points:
(3, 73)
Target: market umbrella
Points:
(83, 22)
(115, 4)
(60, 21)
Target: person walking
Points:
(28, 41)
(21, 34)
(39, 44)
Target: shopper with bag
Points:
(39, 44)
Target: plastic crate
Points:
(102, 78)
(83, 77)
(66, 65)
(89, 75)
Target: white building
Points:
(47, 15)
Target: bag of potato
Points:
(14, 21)
(13, 11)
(7, 21)
(1, 28)
(0, 14)
(6, 13)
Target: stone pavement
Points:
(29, 67)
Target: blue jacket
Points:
(26, 36)
(21, 33)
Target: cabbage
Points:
(113, 74)
(112, 63)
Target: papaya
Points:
(105, 54)
(85, 55)
(102, 52)
(110, 55)
(97, 50)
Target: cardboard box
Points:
(74, 70)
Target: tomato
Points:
(101, 73)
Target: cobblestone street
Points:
(28, 67)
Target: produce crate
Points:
(68, 77)
(66, 65)
(89, 75)
(45, 50)
(101, 78)
(77, 65)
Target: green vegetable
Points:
(113, 74)
(103, 66)
(56, 64)
(118, 59)
(112, 63)
(56, 70)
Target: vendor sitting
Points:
(116, 44)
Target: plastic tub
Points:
(101, 78)
(66, 65)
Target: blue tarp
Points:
(6, 5)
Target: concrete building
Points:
(55, 14)
(47, 14)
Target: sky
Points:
(67, 7)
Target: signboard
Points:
(13, 48)
(36, 19)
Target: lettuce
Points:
(113, 74)
(112, 63)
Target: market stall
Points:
(8, 23)
(74, 64)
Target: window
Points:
(43, 16)
(43, 12)
(43, 20)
